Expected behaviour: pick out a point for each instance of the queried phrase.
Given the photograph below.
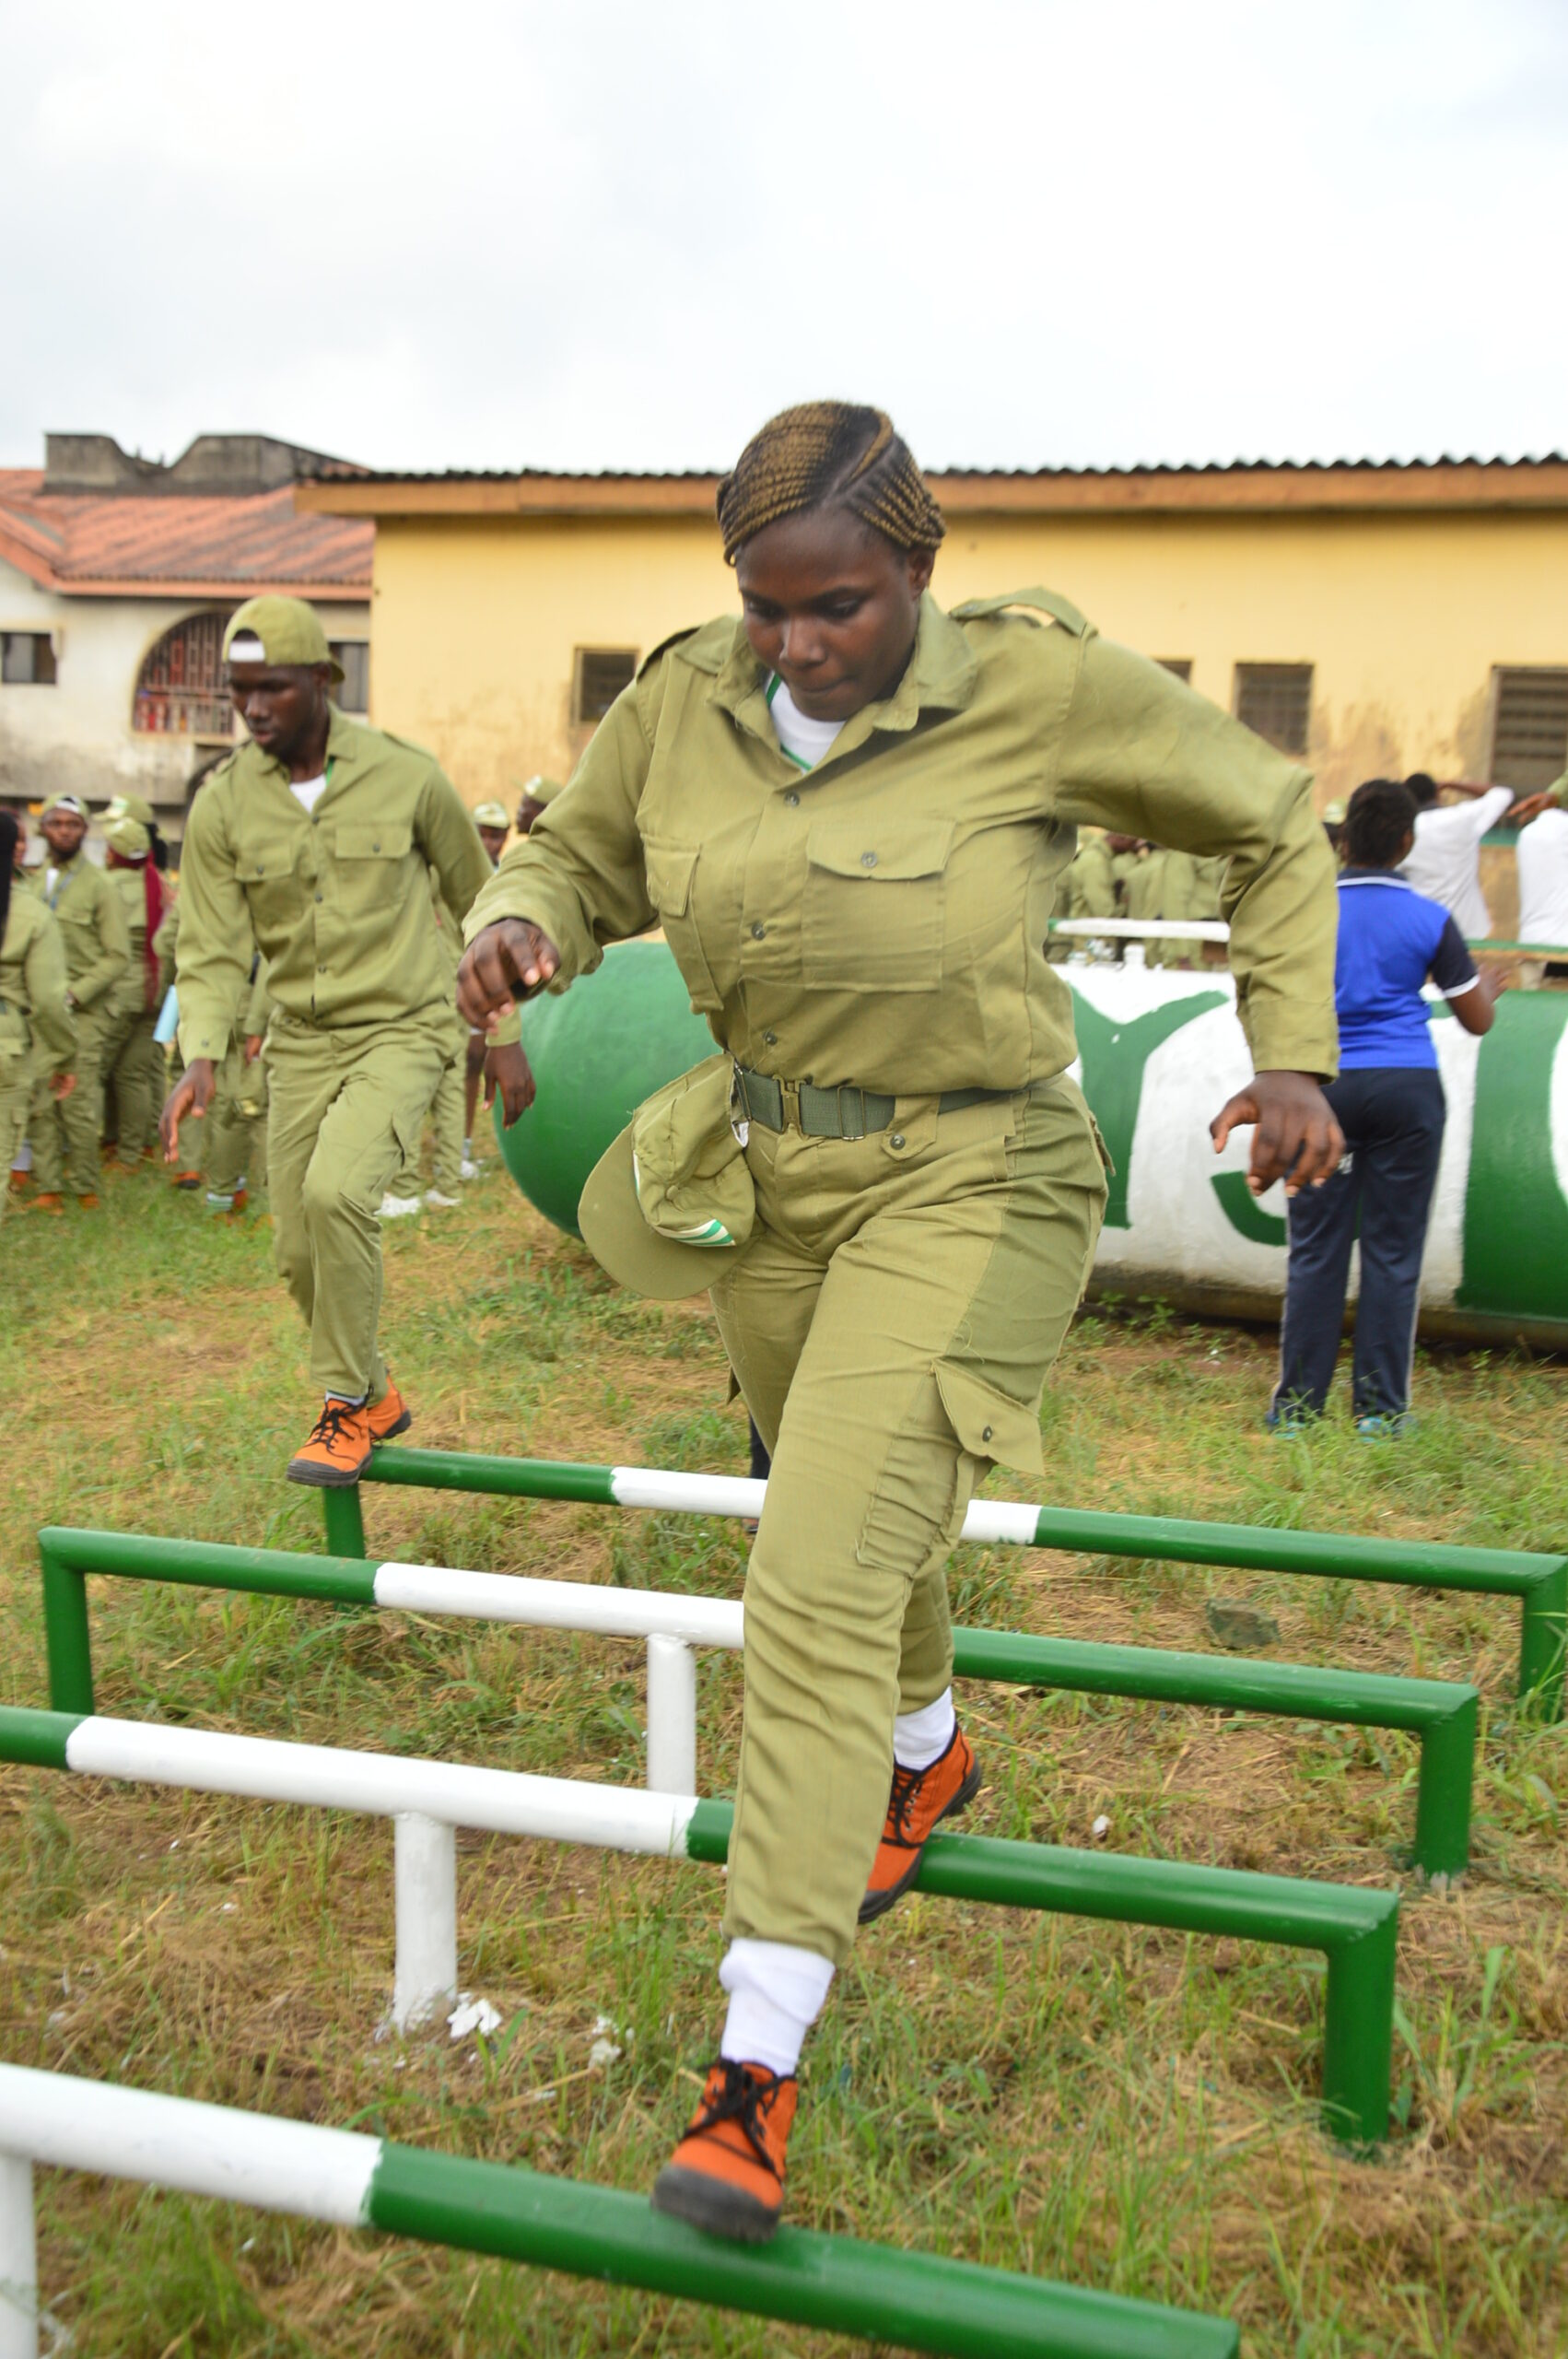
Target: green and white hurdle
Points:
(1442, 1715)
(915, 2301)
(1354, 1928)
(1540, 1581)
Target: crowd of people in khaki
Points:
(855, 816)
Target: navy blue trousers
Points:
(1392, 1117)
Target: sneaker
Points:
(19, 1183)
(187, 1180)
(89, 1200)
(727, 2174)
(48, 1202)
(468, 1169)
(398, 1207)
(389, 1415)
(920, 1797)
(337, 1450)
(436, 1201)
(1382, 1426)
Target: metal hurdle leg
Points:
(18, 2261)
(672, 1717)
(424, 1876)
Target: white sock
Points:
(341, 1400)
(776, 1995)
(919, 1738)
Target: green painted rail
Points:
(1539, 1582)
(1442, 1716)
(1355, 1928)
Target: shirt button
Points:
(898, 1138)
(771, 1038)
(758, 932)
(318, 897)
(986, 1432)
(792, 799)
(868, 859)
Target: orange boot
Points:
(727, 2174)
(338, 1449)
(919, 1798)
(47, 1201)
(391, 1414)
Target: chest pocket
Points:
(671, 869)
(271, 888)
(366, 853)
(874, 905)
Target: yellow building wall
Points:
(476, 620)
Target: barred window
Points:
(354, 654)
(599, 673)
(1529, 738)
(1276, 700)
(27, 659)
(181, 690)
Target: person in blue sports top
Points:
(1389, 1102)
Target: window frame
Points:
(49, 677)
(1250, 675)
(339, 648)
(582, 658)
(1503, 675)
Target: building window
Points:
(1276, 700)
(599, 674)
(1181, 665)
(181, 690)
(1529, 738)
(354, 654)
(27, 659)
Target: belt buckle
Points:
(790, 1106)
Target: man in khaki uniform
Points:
(849, 813)
(315, 841)
(38, 1033)
(127, 1051)
(64, 1131)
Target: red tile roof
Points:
(89, 545)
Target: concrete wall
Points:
(1402, 617)
(76, 735)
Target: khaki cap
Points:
(491, 814)
(65, 802)
(676, 1163)
(289, 630)
(128, 838)
(541, 791)
(1334, 815)
(129, 806)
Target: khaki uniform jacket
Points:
(881, 921)
(93, 928)
(129, 995)
(37, 1031)
(337, 900)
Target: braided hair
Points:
(829, 455)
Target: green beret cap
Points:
(128, 838)
(492, 814)
(541, 791)
(128, 807)
(289, 630)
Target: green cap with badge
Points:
(128, 807)
(670, 1205)
(128, 838)
(288, 630)
(491, 814)
(541, 791)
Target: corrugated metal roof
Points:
(87, 543)
(949, 473)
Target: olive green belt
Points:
(844, 1114)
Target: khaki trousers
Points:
(125, 1059)
(15, 1103)
(65, 1131)
(236, 1134)
(346, 1107)
(891, 1327)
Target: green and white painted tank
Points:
(1159, 1053)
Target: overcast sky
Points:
(597, 234)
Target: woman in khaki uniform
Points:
(37, 1036)
(851, 812)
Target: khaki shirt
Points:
(129, 995)
(1091, 882)
(34, 1018)
(92, 926)
(337, 900)
(881, 921)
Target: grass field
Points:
(1122, 2108)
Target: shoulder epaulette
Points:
(694, 645)
(1046, 602)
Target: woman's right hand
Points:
(510, 960)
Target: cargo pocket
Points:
(873, 912)
(671, 869)
(990, 1425)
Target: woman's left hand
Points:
(1297, 1139)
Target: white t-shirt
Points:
(309, 790)
(1543, 881)
(804, 740)
(1445, 861)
